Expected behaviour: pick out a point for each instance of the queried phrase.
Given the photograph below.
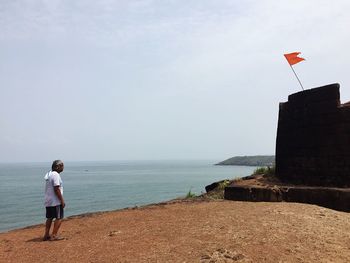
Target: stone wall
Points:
(313, 138)
(334, 198)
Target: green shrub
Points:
(269, 170)
(223, 184)
(260, 170)
(190, 194)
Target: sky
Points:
(87, 80)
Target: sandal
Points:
(57, 238)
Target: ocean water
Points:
(101, 186)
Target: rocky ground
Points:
(199, 230)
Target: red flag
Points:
(293, 58)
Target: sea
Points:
(103, 186)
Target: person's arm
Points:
(59, 195)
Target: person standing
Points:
(54, 201)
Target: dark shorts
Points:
(54, 212)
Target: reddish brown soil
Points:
(195, 231)
(260, 181)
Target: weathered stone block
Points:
(338, 199)
(237, 193)
(266, 194)
(334, 198)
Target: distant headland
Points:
(256, 160)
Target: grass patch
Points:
(223, 184)
(268, 170)
(218, 192)
(190, 194)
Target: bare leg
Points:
(56, 227)
(47, 228)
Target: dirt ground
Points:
(191, 231)
(260, 181)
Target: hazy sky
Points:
(125, 80)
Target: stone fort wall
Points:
(313, 138)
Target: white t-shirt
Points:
(52, 179)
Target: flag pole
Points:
(297, 77)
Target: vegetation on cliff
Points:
(257, 160)
(267, 171)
